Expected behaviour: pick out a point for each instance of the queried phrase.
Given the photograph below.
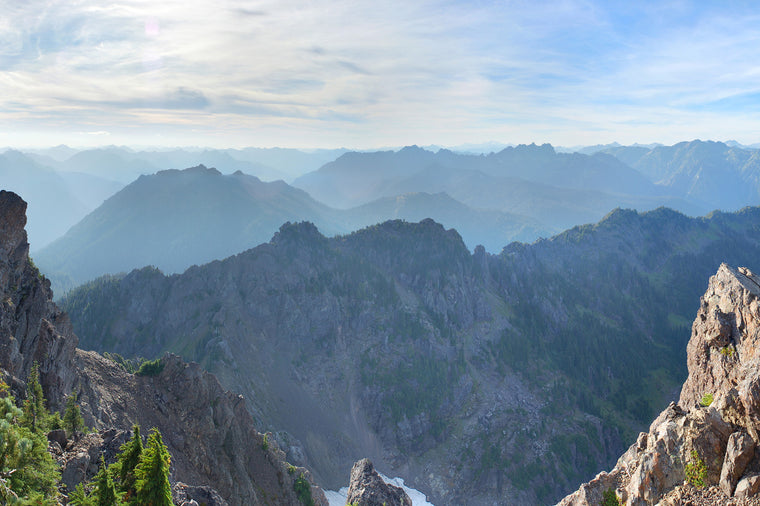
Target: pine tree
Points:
(35, 414)
(104, 487)
(152, 486)
(26, 468)
(129, 458)
(72, 417)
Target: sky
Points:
(363, 74)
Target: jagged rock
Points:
(80, 461)
(32, 328)
(747, 487)
(739, 451)
(185, 495)
(723, 357)
(367, 488)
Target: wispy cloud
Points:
(355, 72)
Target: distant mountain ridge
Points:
(723, 177)
(174, 219)
(558, 190)
(178, 218)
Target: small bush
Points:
(696, 471)
(706, 400)
(303, 490)
(151, 368)
(265, 443)
(728, 351)
(610, 498)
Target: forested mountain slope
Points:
(476, 377)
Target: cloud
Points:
(383, 72)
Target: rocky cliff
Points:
(702, 450)
(208, 431)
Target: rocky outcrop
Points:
(709, 438)
(185, 495)
(367, 488)
(32, 328)
(208, 430)
(79, 456)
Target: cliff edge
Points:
(208, 430)
(701, 451)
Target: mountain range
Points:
(175, 219)
(473, 376)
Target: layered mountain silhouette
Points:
(55, 202)
(721, 176)
(558, 190)
(175, 219)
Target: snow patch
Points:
(338, 498)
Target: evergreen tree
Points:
(35, 414)
(79, 497)
(152, 486)
(26, 468)
(129, 458)
(104, 487)
(72, 417)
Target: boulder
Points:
(186, 495)
(747, 487)
(58, 436)
(739, 452)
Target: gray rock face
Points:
(185, 495)
(723, 358)
(80, 460)
(367, 488)
(32, 329)
(739, 451)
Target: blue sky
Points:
(367, 74)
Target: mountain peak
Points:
(198, 169)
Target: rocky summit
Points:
(703, 449)
(367, 488)
(208, 431)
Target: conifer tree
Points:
(27, 470)
(72, 417)
(128, 459)
(104, 487)
(35, 414)
(152, 486)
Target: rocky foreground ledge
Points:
(701, 451)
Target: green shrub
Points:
(265, 443)
(303, 490)
(706, 400)
(610, 498)
(728, 351)
(151, 368)
(696, 471)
